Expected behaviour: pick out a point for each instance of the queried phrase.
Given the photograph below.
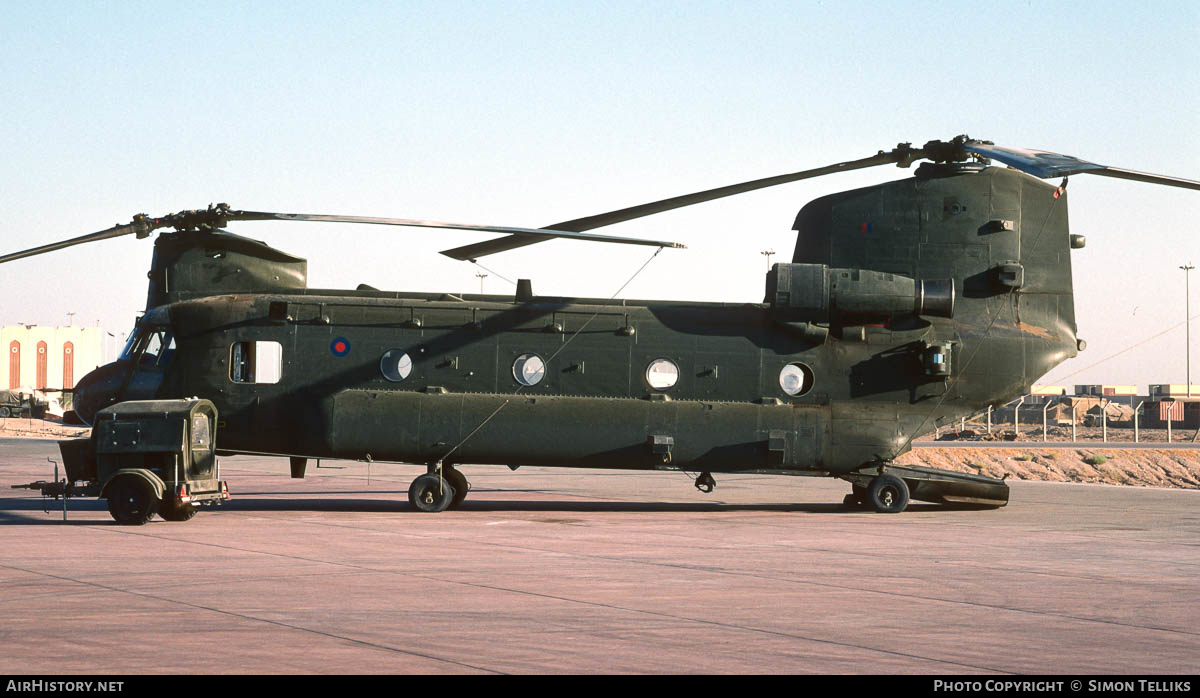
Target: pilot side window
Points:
(152, 347)
(255, 362)
(160, 349)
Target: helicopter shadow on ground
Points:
(35, 512)
(401, 506)
(18, 512)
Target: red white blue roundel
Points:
(340, 346)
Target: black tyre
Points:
(132, 501)
(170, 511)
(5, 412)
(459, 482)
(889, 494)
(431, 493)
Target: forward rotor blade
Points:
(903, 154)
(113, 232)
(219, 216)
(1040, 163)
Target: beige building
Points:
(48, 357)
(1159, 390)
(1107, 390)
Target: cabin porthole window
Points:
(662, 374)
(529, 369)
(796, 379)
(395, 365)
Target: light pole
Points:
(767, 254)
(481, 276)
(1187, 311)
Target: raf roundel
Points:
(340, 346)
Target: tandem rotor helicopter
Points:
(905, 304)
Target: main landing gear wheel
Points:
(431, 493)
(132, 501)
(460, 484)
(888, 494)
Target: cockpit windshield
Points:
(131, 344)
(151, 347)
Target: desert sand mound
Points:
(1112, 466)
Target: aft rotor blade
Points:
(1040, 163)
(902, 154)
(536, 233)
(627, 214)
(482, 249)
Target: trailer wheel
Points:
(459, 482)
(132, 501)
(431, 493)
(170, 511)
(889, 494)
(5, 412)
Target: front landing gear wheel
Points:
(170, 511)
(431, 493)
(459, 482)
(889, 494)
(132, 501)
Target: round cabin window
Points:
(395, 365)
(662, 374)
(529, 369)
(796, 379)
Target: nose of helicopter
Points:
(99, 389)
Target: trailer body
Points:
(145, 457)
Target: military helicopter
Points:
(906, 304)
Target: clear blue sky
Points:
(527, 113)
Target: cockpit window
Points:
(168, 351)
(153, 347)
(131, 343)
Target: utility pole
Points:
(767, 254)
(481, 276)
(1187, 313)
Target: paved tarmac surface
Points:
(546, 570)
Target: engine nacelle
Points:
(818, 293)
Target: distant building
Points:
(1161, 390)
(1182, 413)
(48, 357)
(1048, 390)
(1107, 390)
